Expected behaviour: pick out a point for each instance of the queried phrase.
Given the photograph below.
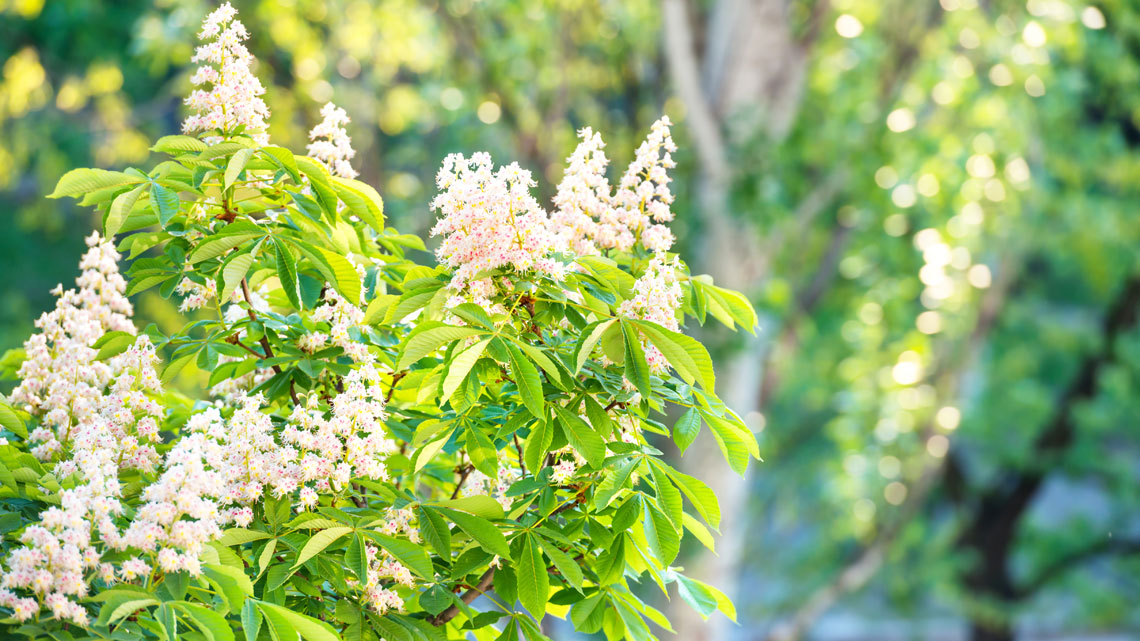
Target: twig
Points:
(467, 597)
(462, 477)
(518, 446)
(265, 340)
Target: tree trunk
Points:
(751, 59)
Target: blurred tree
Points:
(934, 196)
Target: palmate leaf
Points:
(236, 165)
(212, 624)
(434, 530)
(636, 367)
(406, 552)
(229, 237)
(686, 429)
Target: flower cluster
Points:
(61, 549)
(590, 215)
(61, 381)
(489, 219)
(583, 197)
(657, 299)
(234, 96)
(352, 443)
(341, 316)
(330, 142)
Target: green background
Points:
(932, 205)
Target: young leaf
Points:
(461, 365)
(684, 353)
(356, 559)
(686, 429)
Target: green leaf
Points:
(287, 273)
(434, 530)
(229, 237)
(684, 353)
(698, 492)
(118, 608)
(178, 144)
(589, 340)
(12, 422)
(704, 598)
(668, 496)
(239, 578)
(319, 542)
(636, 367)
(234, 168)
(284, 159)
(112, 344)
(238, 536)
(250, 620)
(356, 558)
(565, 563)
(687, 428)
(212, 624)
(235, 269)
(479, 505)
(482, 531)
(164, 202)
(334, 267)
(82, 181)
(361, 200)
(737, 443)
(599, 419)
(537, 445)
(583, 437)
(428, 453)
(461, 365)
(424, 342)
(309, 628)
(527, 380)
(120, 208)
(663, 539)
(406, 552)
(533, 581)
(266, 557)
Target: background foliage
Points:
(1008, 128)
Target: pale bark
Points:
(751, 62)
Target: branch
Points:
(265, 340)
(467, 597)
(681, 55)
(1061, 565)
